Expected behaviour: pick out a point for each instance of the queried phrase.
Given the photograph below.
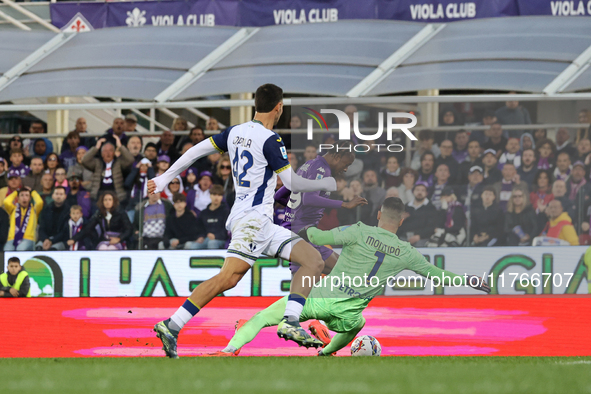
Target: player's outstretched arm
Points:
(200, 150)
(296, 183)
(319, 237)
(416, 262)
(314, 199)
(343, 235)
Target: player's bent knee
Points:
(231, 282)
(360, 324)
(232, 272)
(318, 265)
(224, 282)
(309, 258)
(317, 262)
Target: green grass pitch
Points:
(474, 375)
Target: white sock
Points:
(294, 309)
(173, 326)
(181, 317)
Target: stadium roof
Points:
(348, 58)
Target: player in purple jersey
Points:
(306, 209)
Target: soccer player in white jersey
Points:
(258, 156)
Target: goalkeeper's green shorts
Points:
(320, 309)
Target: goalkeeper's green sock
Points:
(265, 318)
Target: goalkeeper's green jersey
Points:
(371, 257)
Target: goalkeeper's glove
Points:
(477, 283)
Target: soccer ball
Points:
(366, 346)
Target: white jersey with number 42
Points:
(257, 155)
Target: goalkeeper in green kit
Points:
(370, 258)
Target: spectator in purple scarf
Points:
(460, 152)
(442, 175)
(453, 218)
(77, 195)
(23, 219)
(563, 166)
(546, 153)
(68, 156)
(134, 146)
(505, 186)
(427, 169)
(576, 180)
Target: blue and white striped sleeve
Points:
(276, 154)
(220, 141)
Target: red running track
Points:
(405, 326)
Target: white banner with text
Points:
(517, 270)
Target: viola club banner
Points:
(85, 16)
(509, 271)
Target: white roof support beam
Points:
(204, 116)
(31, 15)
(14, 21)
(194, 111)
(394, 60)
(173, 115)
(199, 69)
(43, 51)
(149, 119)
(572, 72)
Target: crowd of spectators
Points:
(495, 187)
(92, 194)
(468, 188)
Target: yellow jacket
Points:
(20, 278)
(567, 232)
(3, 192)
(10, 207)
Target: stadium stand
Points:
(471, 149)
(523, 188)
